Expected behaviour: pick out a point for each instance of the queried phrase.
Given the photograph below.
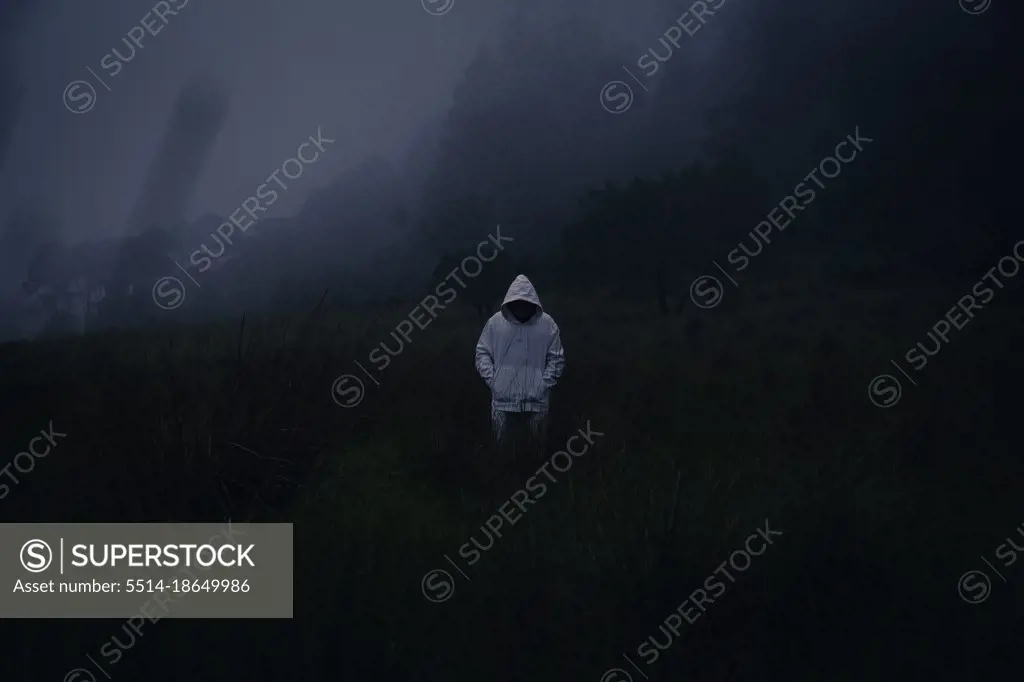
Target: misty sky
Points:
(373, 75)
(369, 73)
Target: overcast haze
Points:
(374, 75)
(369, 74)
(495, 112)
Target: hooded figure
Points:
(520, 356)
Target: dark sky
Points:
(369, 73)
(373, 75)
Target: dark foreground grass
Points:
(712, 423)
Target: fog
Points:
(448, 119)
(371, 76)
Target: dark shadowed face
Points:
(522, 310)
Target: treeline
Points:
(642, 201)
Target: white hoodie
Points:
(520, 361)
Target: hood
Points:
(521, 289)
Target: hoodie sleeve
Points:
(485, 353)
(554, 363)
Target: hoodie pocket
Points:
(515, 384)
(538, 389)
(502, 384)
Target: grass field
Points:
(713, 422)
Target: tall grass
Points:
(714, 421)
